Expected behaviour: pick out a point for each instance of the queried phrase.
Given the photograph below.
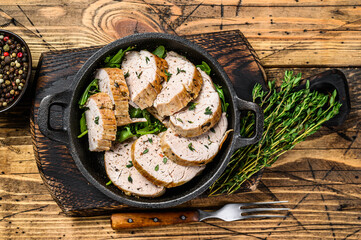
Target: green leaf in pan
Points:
(160, 51)
(115, 61)
(91, 89)
(152, 126)
(83, 127)
(124, 134)
(221, 96)
(204, 67)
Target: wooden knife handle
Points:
(135, 220)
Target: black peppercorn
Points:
(7, 60)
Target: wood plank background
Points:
(321, 177)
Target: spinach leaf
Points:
(204, 67)
(152, 125)
(160, 51)
(221, 96)
(91, 89)
(114, 61)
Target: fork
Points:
(229, 212)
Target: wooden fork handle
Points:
(135, 220)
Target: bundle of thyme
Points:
(290, 115)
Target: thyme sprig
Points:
(290, 116)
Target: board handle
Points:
(148, 219)
(61, 99)
(249, 106)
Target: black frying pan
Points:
(91, 165)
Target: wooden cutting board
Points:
(73, 193)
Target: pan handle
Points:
(61, 99)
(251, 106)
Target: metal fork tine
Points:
(260, 203)
(263, 209)
(264, 216)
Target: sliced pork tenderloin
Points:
(182, 87)
(201, 114)
(101, 123)
(195, 151)
(150, 161)
(144, 73)
(182, 174)
(112, 82)
(122, 173)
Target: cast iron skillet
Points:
(91, 165)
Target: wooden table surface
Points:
(321, 177)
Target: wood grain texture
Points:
(320, 178)
(68, 187)
(323, 190)
(292, 33)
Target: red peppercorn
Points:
(6, 54)
(20, 54)
(6, 38)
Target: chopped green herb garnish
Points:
(165, 160)
(147, 59)
(126, 74)
(168, 75)
(180, 70)
(156, 168)
(190, 121)
(130, 179)
(212, 130)
(190, 146)
(129, 165)
(179, 120)
(204, 67)
(208, 111)
(108, 183)
(96, 120)
(150, 140)
(206, 146)
(192, 105)
(139, 74)
(145, 151)
(160, 51)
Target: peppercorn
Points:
(6, 48)
(13, 69)
(7, 60)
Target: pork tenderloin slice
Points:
(147, 157)
(145, 74)
(183, 85)
(197, 150)
(122, 173)
(150, 161)
(202, 114)
(112, 82)
(182, 174)
(101, 123)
